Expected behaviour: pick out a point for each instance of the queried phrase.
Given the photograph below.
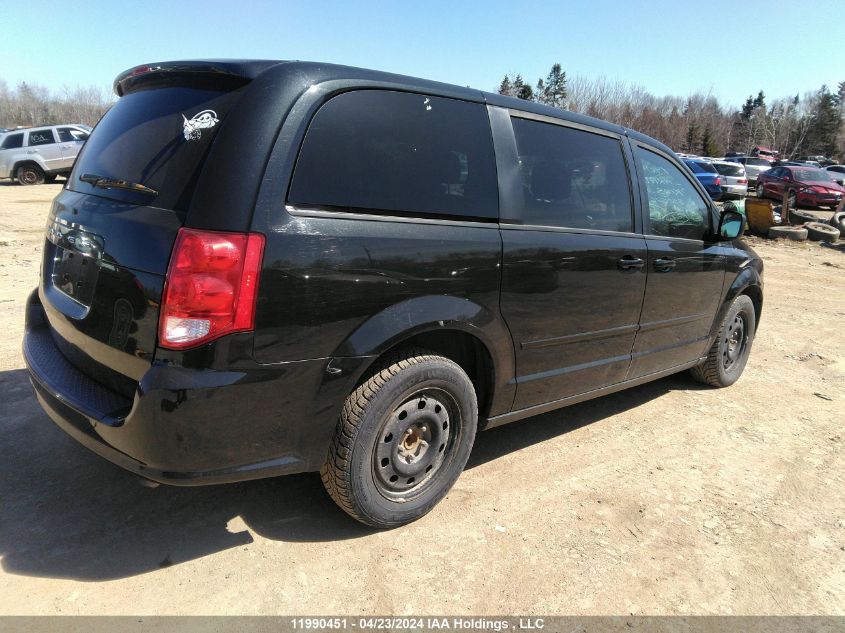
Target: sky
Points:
(727, 48)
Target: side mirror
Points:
(731, 223)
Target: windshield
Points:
(811, 175)
(157, 138)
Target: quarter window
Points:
(41, 137)
(572, 178)
(13, 141)
(675, 209)
(388, 151)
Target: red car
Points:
(807, 186)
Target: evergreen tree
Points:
(556, 87)
(692, 136)
(824, 127)
(526, 93)
(708, 143)
(517, 85)
(505, 88)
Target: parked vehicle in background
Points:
(733, 154)
(394, 264)
(734, 180)
(765, 153)
(821, 161)
(837, 172)
(753, 167)
(707, 175)
(806, 186)
(36, 155)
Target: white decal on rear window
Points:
(194, 126)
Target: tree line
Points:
(796, 126)
(30, 104)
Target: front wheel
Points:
(760, 191)
(792, 198)
(402, 439)
(30, 175)
(729, 353)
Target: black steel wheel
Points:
(415, 441)
(736, 341)
(30, 174)
(402, 439)
(728, 355)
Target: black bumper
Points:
(190, 426)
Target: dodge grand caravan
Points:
(259, 268)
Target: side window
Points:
(41, 137)
(13, 141)
(398, 151)
(69, 135)
(572, 178)
(675, 208)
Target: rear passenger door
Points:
(573, 260)
(686, 268)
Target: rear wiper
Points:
(115, 183)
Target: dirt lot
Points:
(669, 498)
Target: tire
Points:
(727, 357)
(837, 221)
(30, 174)
(402, 439)
(820, 232)
(796, 233)
(793, 200)
(760, 191)
(800, 217)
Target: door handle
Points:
(630, 263)
(664, 264)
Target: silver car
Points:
(39, 154)
(753, 167)
(734, 180)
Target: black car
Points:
(259, 268)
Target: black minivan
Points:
(260, 267)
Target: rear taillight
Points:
(211, 287)
(743, 181)
(718, 181)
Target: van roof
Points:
(310, 73)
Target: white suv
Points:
(39, 154)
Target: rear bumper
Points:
(190, 426)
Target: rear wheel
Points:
(728, 355)
(402, 439)
(30, 174)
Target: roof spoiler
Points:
(236, 72)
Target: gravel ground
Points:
(669, 498)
